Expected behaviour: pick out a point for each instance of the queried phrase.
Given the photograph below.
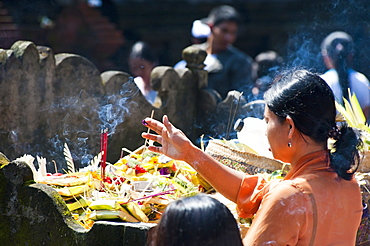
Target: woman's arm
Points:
(282, 219)
(177, 146)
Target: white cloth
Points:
(200, 30)
(359, 86)
(211, 62)
(149, 95)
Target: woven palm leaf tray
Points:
(242, 160)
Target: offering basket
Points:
(242, 160)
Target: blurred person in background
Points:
(198, 220)
(228, 67)
(337, 50)
(265, 65)
(141, 63)
(198, 34)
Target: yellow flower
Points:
(121, 162)
(154, 160)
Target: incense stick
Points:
(146, 140)
(237, 107)
(101, 142)
(229, 125)
(201, 142)
(229, 119)
(103, 148)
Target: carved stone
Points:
(51, 99)
(35, 214)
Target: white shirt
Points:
(359, 86)
(149, 95)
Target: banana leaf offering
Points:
(137, 188)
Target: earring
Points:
(289, 144)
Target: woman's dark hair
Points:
(339, 47)
(142, 50)
(307, 99)
(197, 220)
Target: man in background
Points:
(228, 67)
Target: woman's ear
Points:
(291, 125)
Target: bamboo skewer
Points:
(121, 155)
(157, 194)
(55, 166)
(125, 150)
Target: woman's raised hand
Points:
(178, 147)
(173, 141)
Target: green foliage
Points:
(354, 116)
(3, 160)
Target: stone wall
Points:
(35, 214)
(50, 99)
